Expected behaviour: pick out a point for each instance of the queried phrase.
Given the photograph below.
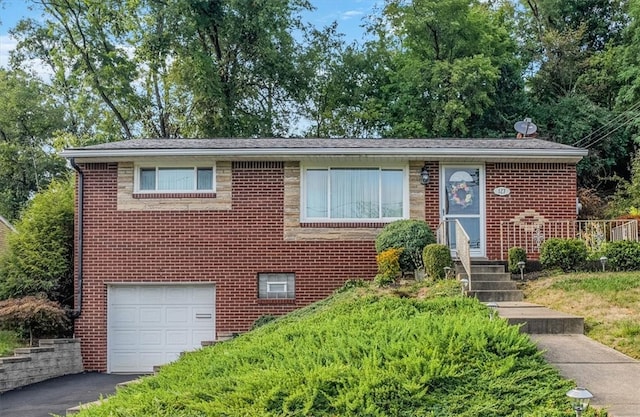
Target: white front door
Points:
(462, 199)
(150, 325)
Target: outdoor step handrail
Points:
(462, 244)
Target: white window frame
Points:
(176, 164)
(380, 166)
(272, 279)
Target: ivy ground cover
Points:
(359, 353)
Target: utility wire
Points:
(600, 134)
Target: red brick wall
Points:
(547, 188)
(228, 248)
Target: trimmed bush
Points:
(410, 235)
(566, 254)
(623, 255)
(388, 267)
(436, 257)
(515, 255)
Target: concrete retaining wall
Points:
(53, 358)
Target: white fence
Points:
(531, 235)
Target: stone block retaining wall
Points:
(53, 358)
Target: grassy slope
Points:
(359, 353)
(609, 302)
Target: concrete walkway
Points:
(612, 377)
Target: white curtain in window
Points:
(175, 179)
(317, 186)
(355, 193)
(391, 195)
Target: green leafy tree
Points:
(451, 58)
(40, 256)
(28, 119)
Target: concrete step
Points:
(536, 319)
(489, 276)
(493, 285)
(496, 296)
(482, 268)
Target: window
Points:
(175, 179)
(277, 285)
(354, 193)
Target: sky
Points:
(348, 14)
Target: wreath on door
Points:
(461, 194)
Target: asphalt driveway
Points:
(55, 395)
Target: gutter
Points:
(78, 310)
(416, 153)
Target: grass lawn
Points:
(8, 342)
(609, 302)
(412, 351)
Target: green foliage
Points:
(604, 286)
(33, 317)
(27, 121)
(623, 255)
(9, 340)
(351, 355)
(436, 257)
(515, 255)
(566, 254)
(388, 267)
(262, 320)
(40, 256)
(410, 235)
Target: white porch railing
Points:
(461, 244)
(530, 235)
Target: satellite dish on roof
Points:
(525, 127)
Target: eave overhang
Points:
(569, 155)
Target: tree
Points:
(28, 119)
(446, 64)
(171, 68)
(39, 259)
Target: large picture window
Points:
(354, 193)
(175, 179)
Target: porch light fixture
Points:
(521, 265)
(580, 398)
(424, 175)
(603, 261)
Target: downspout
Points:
(78, 310)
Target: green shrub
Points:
(436, 257)
(262, 320)
(515, 255)
(623, 255)
(412, 236)
(352, 355)
(566, 254)
(388, 267)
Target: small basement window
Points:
(175, 179)
(276, 286)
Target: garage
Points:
(149, 325)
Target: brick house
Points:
(181, 241)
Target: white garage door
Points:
(151, 325)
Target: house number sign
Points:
(501, 191)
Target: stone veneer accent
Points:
(295, 230)
(221, 200)
(53, 358)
